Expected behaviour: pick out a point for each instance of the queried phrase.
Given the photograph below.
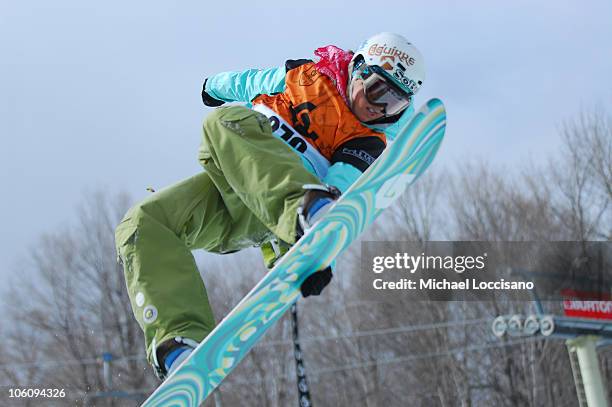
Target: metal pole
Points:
(217, 397)
(584, 347)
(106, 366)
(304, 399)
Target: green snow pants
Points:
(248, 194)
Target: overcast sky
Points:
(107, 94)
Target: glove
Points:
(316, 282)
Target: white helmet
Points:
(396, 56)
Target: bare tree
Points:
(419, 214)
(583, 178)
(69, 303)
(72, 307)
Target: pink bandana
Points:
(334, 64)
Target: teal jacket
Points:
(244, 86)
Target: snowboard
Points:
(402, 162)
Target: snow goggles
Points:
(380, 90)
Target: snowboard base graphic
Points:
(379, 186)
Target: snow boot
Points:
(170, 354)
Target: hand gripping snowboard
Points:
(379, 186)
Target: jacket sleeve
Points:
(351, 159)
(242, 86)
(341, 175)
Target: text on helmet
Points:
(378, 50)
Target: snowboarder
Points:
(271, 169)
